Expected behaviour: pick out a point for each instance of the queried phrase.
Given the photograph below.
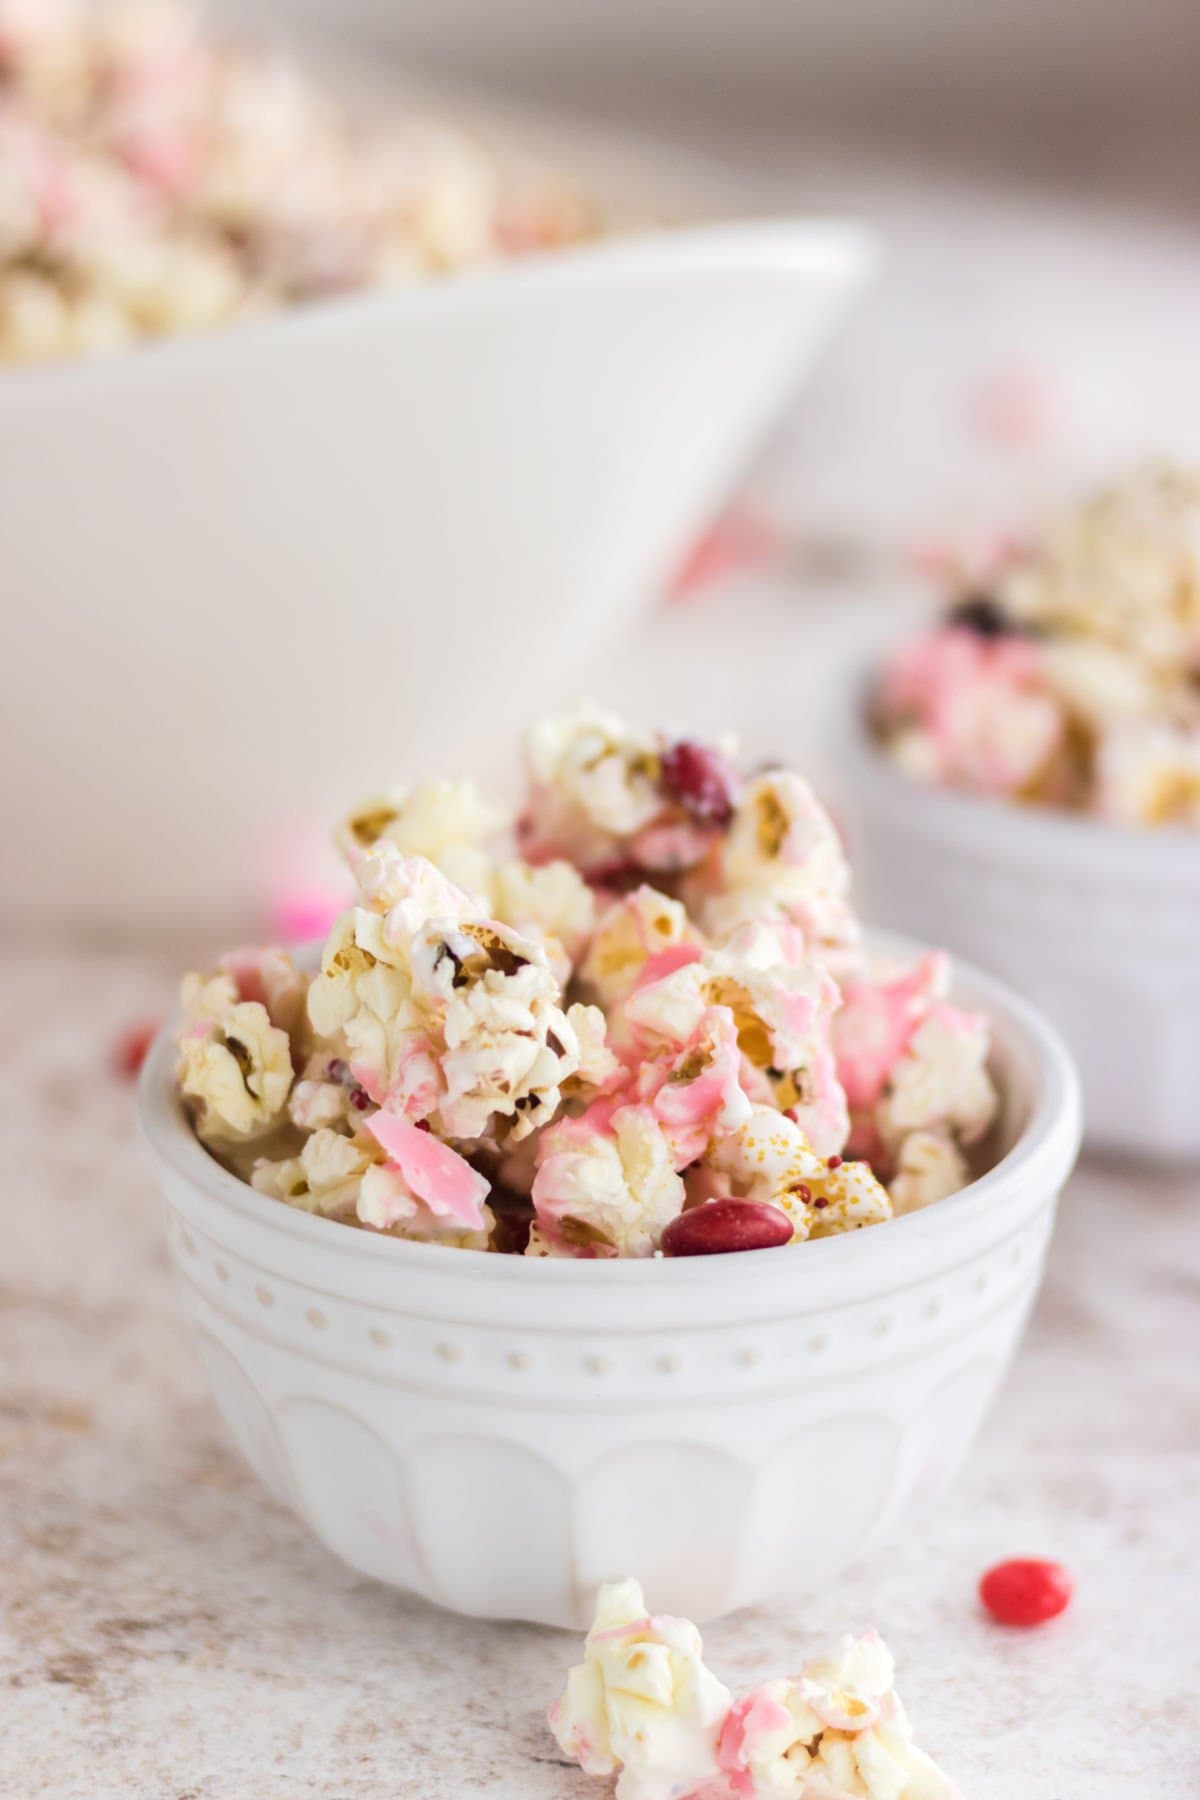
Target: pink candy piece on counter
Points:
(437, 1175)
(303, 913)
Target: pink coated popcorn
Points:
(493, 1053)
(437, 1175)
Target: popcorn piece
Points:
(769, 1159)
(838, 1730)
(910, 1063)
(941, 1081)
(551, 902)
(325, 1178)
(235, 1067)
(783, 853)
(928, 1167)
(593, 781)
(509, 1045)
(446, 822)
(698, 1097)
(635, 940)
(607, 1178)
(642, 1701)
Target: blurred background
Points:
(1033, 174)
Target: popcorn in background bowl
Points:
(1074, 680)
(651, 996)
(153, 181)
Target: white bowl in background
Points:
(499, 1435)
(254, 575)
(1098, 924)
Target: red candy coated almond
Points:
(1025, 1591)
(723, 1225)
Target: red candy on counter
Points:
(1026, 1591)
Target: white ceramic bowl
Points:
(297, 557)
(1099, 925)
(498, 1435)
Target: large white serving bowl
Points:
(1098, 924)
(499, 1435)
(253, 576)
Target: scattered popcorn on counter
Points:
(575, 1051)
(1072, 677)
(643, 1705)
(154, 182)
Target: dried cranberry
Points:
(359, 1099)
(701, 781)
(1026, 1591)
(720, 1226)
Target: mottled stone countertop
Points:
(168, 1632)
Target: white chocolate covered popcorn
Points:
(235, 1067)
(447, 823)
(560, 1060)
(769, 1159)
(643, 1705)
(594, 781)
(642, 1701)
(1073, 679)
(928, 1166)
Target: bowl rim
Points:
(839, 247)
(1045, 1149)
(1050, 838)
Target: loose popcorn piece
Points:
(154, 182)
(521, 1054)
(643, 1703)
(1072, 678)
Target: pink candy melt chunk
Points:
(437, 1175)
